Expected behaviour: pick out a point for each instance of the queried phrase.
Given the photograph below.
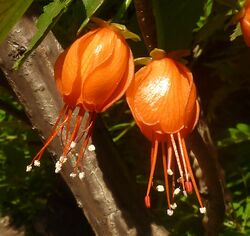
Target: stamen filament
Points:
(178, 161)
(191, 174)
(50, 139)
(182, 156)
(90, 125)
(164, 160)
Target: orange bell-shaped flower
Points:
(92, 74)
(245, 23)
(163, 101)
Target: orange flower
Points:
(244, 16)
(163, 101)
(92, 74)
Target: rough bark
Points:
(106, 194)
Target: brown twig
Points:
(146, 22)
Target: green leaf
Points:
(10, 12)
(236, 33)
(52, 12)
(175, 22)
(91, 6)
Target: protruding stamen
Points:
(72, 145)
(89, 128)
(170, 212)
(177, 191)
(192, 175)
(37, 163)
(28, 168)
(173, 206)
(81, 175)
(147, 201)
(170, 172)
(154, 151)
(160, 188)
(91, 147)
(182, 156)
(72, 175)
(203, 210)
(164, 162)
(177, 159)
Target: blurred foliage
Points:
(21, 195)
(220, 64)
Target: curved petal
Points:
(124, 84)
(103, 81)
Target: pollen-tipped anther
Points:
(28, 168)
(170, 212)
(37, 163)
(170, 172)
(177, 191)
(91, 147)
(160, 188)
(203, 210)
(58, 167)
(72, 175)
(81, 175)
(72, 145)
(62, 159)
(173, 206)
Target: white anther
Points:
(160, 188)
(91, 147)
(203, 210)
(73, 145)
(177, 191)
(170, 212)
(37, 163)
(81, 175)
(173, 206)
(62, 159)
(58, 166)
(184, 193)
(170, 172)
(28, 168)
(72, 175)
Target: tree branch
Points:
(146, 23)
(105, 194)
